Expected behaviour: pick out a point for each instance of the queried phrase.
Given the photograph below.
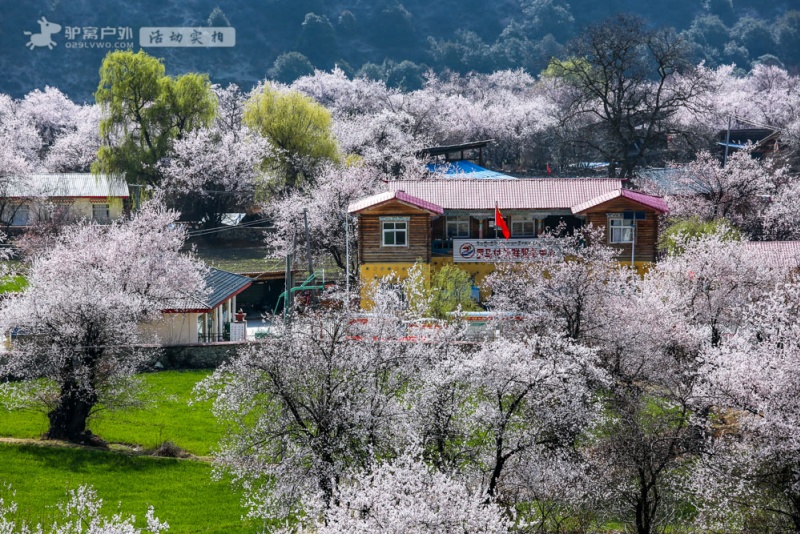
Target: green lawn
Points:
(238, 259)
(12, 284)
(167, 417)
(181, 491)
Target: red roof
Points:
(656, 203)
(402, 196)
(781, 254)
(517, 194)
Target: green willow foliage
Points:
(144, 111)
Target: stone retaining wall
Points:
(192, 356)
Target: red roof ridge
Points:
(400, 195)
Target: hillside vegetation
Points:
(395, 41)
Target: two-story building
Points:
(452, 221)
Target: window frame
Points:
(523, 220)
(617, 224)
(457, 221)
(102, 220)
(394, 221)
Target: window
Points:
(21, 216)
(395, 233)
(100, 213)
(457, 227)
(523, 226)
(620, 230)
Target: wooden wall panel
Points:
(372, 251)
(646, 230)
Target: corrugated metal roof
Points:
(402, 196)
(465, 169)
(515, 194)
(67, 185)
(223, 285)
(783, 254)
(220, 285)
(657, 203)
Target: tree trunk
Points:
(68, 418)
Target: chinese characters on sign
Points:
(493, 250)
(202, 37)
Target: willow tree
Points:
(300, 131)
(144, 111)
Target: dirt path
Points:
(119, 448)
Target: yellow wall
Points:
(77, 209)
(372, 272)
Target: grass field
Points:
(167, 417)
(12, 284)
(182, 491)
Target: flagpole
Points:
(496, 207)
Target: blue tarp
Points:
(464, 169)
(733, 145)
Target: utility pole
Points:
(347, 257)
(308, 243)
(308, 252)
(287, 301)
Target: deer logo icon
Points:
(44, 37)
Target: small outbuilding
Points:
(206, 318)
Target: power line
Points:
(224, 228)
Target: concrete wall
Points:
(192, 356)
(174, 329)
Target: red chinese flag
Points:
(548, 169)
(500, 222)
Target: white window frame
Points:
(618, 226)
(522, 221)
(103, 218)
(391, 226)
(461, 224)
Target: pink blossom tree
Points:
(737, 192)
(51, 112)
(78, 322)
(306, 407)
(566, 288)
(530, 396)
(80, 514)
(656, 350)
(752, 472)
(325, 205)
(19, 140)
(406, 496)
(211, 173)
(75, 149)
